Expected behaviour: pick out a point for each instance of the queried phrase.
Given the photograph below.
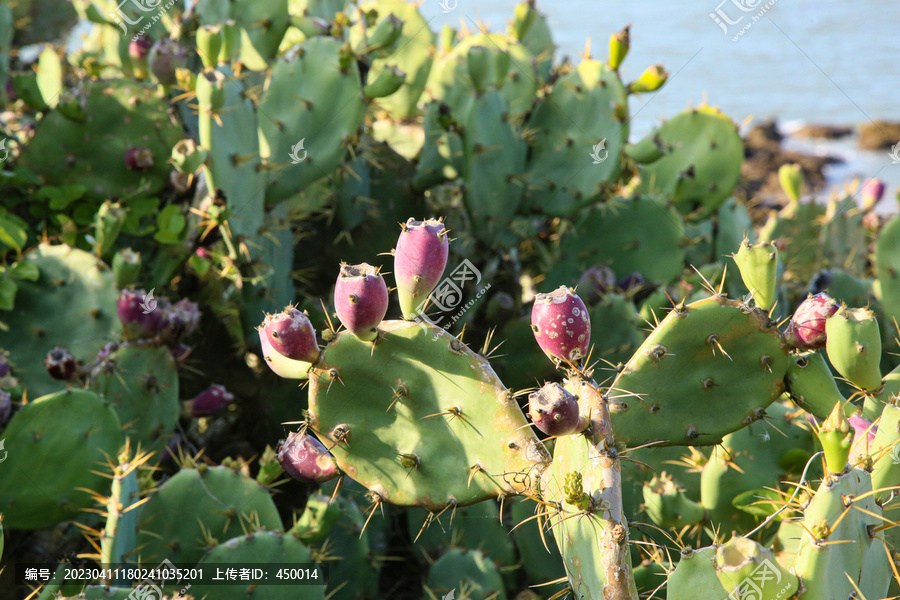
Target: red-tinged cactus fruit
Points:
(61, 364)
(180, 352)
(140, 313)
(138, 51)
(166, 57)
(554, 410)
(5, 407)
(595, 283)
(419, 262)
(806, 330)
(561, 325)
(872, 192)
(305, 459)
(140, 47)
(138, 159)
(360, 299)
(290, 334)
(179, 320)
(210, 401)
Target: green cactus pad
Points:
(467, 572)
(610, 235)
(215, 499)
(412, 54)
(840, 523)
(758, 264)
(121, 114)
(142, 384)
(262, 547)
(578, 131)
(885, 451)
(708, 369)
(541, 563)
(233, 147)
(745, 566)
(854, 346)
(69, 434)
(701, 162)
(797, 227)
(493, 155)
(347, 544)
(262, 24)
(449, 80)
(72, 304)
(811, 385)
(668, 506)
(887, 263)
(309, 99)
(378, 398)
(694, 577)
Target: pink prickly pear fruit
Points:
(288, 343)
(166, 57)
(872, 192)
(139, 314)
(138, 159)
(210, 401)
(138, 50)
(305, 459)
(554, 410)
(561, 325)
(806, 330)
(419, 262)
(61, 364)
(360, 299)
(863, 438)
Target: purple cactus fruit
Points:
(61, 364)
(210, 401)
(138, 159)
(290, 334)
(419, 262)
(5, 368)
(140, 47)
(555, 411)
(872, 192)
(138, 50)
(139, 313)
(360, 299)
(595, 283)
(170, 452)
(561, 325)
(806, 330)
(305, 459)
(166, 57)
(5, 407)
(179, 320)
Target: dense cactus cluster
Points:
(219, 347)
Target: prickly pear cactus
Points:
(378, 408)
(36, 440)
